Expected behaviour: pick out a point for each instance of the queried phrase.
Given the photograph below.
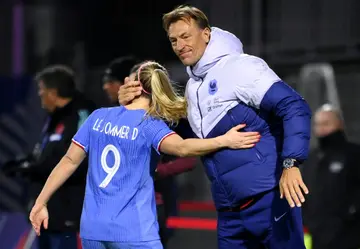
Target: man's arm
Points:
(260, 87)
(295, 114)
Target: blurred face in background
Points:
(48, 97)
(188, 40)
(326, 123)
(111, 88)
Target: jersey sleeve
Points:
(82, 136)
(156, 131)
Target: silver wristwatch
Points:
(289, 163)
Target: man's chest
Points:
(208, 100)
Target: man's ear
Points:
(206, 35)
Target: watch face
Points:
(288, 163)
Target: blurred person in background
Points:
(258, 192)
(67, 109)
(115, 74)
(332, 211)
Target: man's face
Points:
(48, 97)
(111, 88)
(325, 123)
(188, 41)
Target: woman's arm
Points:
(63, 170)
(175, 145)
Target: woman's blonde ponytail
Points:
(166, 103)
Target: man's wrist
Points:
(289, 163)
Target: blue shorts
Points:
(268, 223)
(94, 244)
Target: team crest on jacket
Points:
(213, 88)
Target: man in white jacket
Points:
(226, 88)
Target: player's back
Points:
(119, 201)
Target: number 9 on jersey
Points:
(111, 171)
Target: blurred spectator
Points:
(332, 211)
(67, 111)
(114, 76)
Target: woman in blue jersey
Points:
(119, 206)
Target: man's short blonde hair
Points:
(185, 12)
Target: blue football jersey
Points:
(119, 202)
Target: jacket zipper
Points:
(202, 134)
(198, 104)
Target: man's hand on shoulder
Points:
(129, 91)
(292, 186)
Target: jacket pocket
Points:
(259, 155)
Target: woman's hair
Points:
(166, 103)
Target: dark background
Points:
(322, 36)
